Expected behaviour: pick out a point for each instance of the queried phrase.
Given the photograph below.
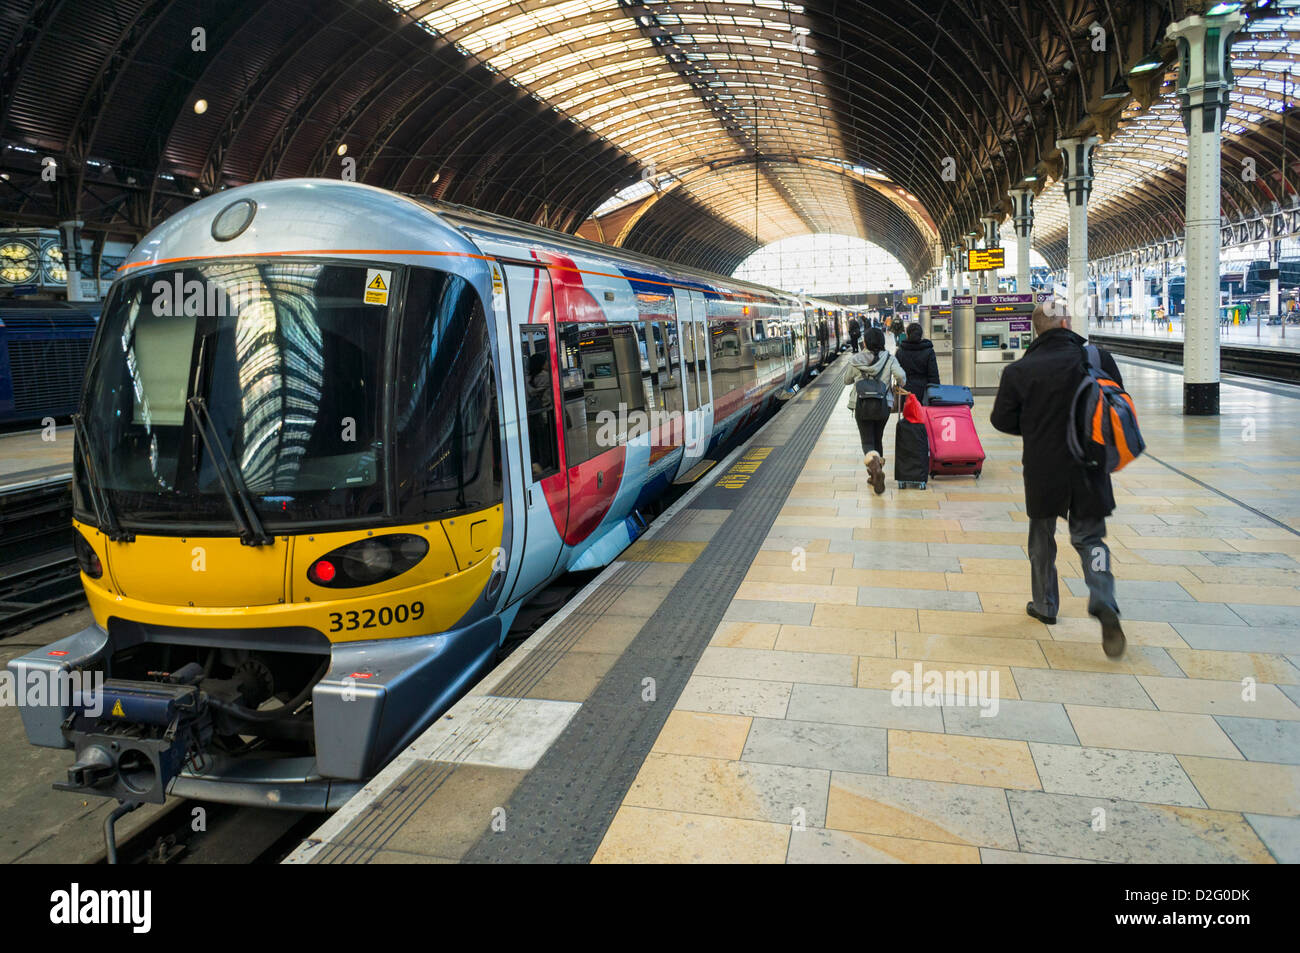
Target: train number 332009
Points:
(374, 618)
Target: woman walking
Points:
(873, 377)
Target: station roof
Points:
(700, 130)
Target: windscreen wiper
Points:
(99, 502)
(251, 530)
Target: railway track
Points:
(204, 832)
(1258, 362)
(39, 578)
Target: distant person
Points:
(916, 355)
(873, 363)
(1034, 400)
(855, 332)
(896, 328)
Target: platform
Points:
(722, 692)
(26, 456)
(44, 826)
(1235, 335)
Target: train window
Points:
(701, 359)
(725, 357)
(649, 379)
(670, 356)
(689, 371)
(539, 399)
(601, 371)
(445, 422)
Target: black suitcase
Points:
(911, 455)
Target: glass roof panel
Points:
(1151, 149)
(678, 86)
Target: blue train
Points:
(44, 346)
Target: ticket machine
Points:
(940, 332)
(1003, 330)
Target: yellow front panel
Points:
(430, 597)
(474, 536)
(199, 570)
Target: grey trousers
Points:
(1087, 536)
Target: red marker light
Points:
(362, 675)
(323, 571)
(58, 652)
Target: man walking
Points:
(1033, 401)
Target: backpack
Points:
(875, 401)
(1102, 431)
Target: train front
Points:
(288, 501)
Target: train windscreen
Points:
(285, 359)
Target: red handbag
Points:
(912, 410)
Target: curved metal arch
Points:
(316, 94)
(214, 165)
(32, 34)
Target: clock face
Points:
(18, 262)
(55, 269)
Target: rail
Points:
(39, 578)
(1259, 362)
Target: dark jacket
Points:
(919, 364)
(1034, 402)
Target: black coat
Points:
(1034, 402)
(920, 365)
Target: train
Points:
(44, 346)
(332, 438)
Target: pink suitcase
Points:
(954, 445)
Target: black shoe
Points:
(1112, 636)
(1045, 619)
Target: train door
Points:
(694, 338)
(539, 403)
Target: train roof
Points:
(322, 216)
(464, 215)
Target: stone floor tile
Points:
(741, 789)
(1144, 730)
(1113, 773)
(703, 735)
(641, 836)
(834, 704)
(1248, 786)
(961, 760)
(1117, 831)
(775, 666)
(811, 744)
(923, 810)
(1116, 690)
(822, 846)
(735, 696)
(1013, 720)
(1212, 697)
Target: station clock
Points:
(56, 269)
(18, 262)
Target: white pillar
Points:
(1203, 87)
(1164, 280)
(991, 240)
(1077, 152)
(969, 242)
(1022, 201)
(954, 267)
(1274, 254)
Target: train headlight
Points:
(368, 561)
(87, 558)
